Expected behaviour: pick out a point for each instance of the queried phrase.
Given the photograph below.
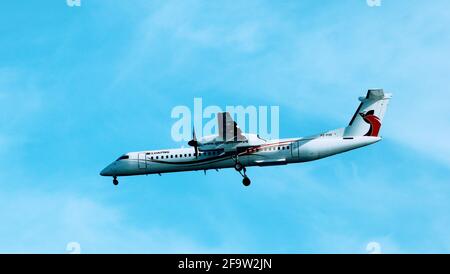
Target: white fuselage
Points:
(267, 153)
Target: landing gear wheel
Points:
(242, 170)
(115, 181)
(246, 181)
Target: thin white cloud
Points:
(20, 102)
(40, 222)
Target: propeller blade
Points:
(193, 142)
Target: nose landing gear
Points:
(115, 181)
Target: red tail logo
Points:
(374, 122)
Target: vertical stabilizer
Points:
(368, 118)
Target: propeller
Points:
(194, 143)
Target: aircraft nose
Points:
(108, 171)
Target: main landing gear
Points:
(246, 181)
(242, 170)
(115, 181)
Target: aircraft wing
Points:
(228, 129)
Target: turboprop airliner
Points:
(231, 148)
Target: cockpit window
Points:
(123, 157)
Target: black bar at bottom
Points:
(220, 263)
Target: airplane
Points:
(231, 148)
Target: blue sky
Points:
(79, 86)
